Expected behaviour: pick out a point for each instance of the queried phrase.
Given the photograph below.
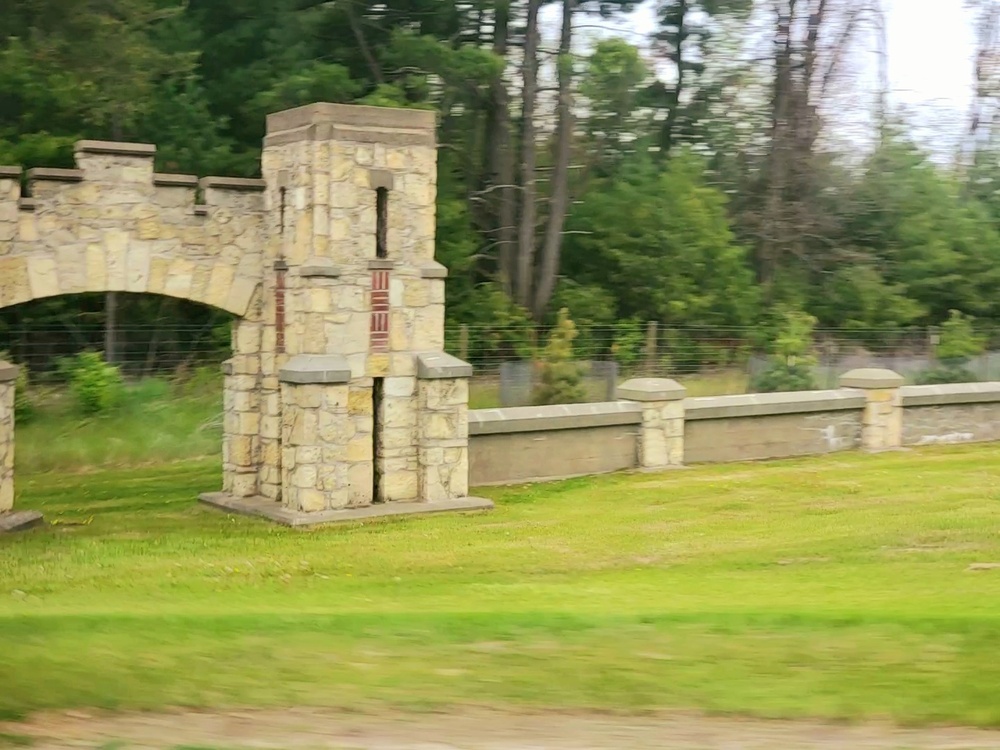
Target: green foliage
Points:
(957, 344)
(629, 340)
(792, 363)
(561, 375)
(96, 386)
(499, 329)
(660, 242)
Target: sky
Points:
(931, 47)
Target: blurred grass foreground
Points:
(846, 587)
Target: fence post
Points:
(661, 435)
(463, 342)
(882, 424)
(651, 336)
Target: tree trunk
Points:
(559, 202)
(529, 157)
(501, 155)
(670, 124)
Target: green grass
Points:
(835, 587)
(156, 422)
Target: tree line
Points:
(696, 176)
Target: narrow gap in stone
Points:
(381, 222)
(377, 389)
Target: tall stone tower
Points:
(359, 407)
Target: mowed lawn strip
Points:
(851, 587)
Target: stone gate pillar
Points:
(882, 423)
(352, 301)
(8, 379)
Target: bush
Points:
(96, 386)
(791, 367)
(561, 375)
(957, 344)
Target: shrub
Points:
(561, 375)
(957, 344)
(791, 367)
(96, 386)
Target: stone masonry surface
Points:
(8, 377)
(294, 251)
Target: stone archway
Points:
(339, 400)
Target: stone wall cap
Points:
(381, 264)
(55, 175)
(10, 172)
(871, 378)
(307, 369)
(354, 115)
(651, 389)
(163, 179)
(26, 204)
(232, 183)
(440, 365)
(380, 179)
(772, 404)
(433, 270)
(8, 372)
(319, 268)
(558, 417)
(951, 393)
(118, 148)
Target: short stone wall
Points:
(653, 425)
(771, 425)
(524, 443)
(948, 414)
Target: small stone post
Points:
(315, 462)
(882, 425)
(8, 378)
(661, 437)
(443, 430)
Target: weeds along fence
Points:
(507, 360)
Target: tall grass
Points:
(157, 420)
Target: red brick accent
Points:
(279, 306)
(379, 338)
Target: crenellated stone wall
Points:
(328, 264)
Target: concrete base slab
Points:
(262, 507)
(19, 520)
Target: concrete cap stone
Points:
(319, 267)
(351, 115)
(651, 389)
(439, 365)
(232, 183)
(117, 148)
(433, 270)
(871, 378)
(55, 175)
(163, 179)
(308, 369)
(10, 172)
(8, 372)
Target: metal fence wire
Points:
(709, 361)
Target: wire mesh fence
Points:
(508, 361)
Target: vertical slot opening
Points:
(381, 222)
(377, 400)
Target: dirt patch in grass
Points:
(302, 729)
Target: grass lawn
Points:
(835, 588)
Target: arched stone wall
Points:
(338, 396)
